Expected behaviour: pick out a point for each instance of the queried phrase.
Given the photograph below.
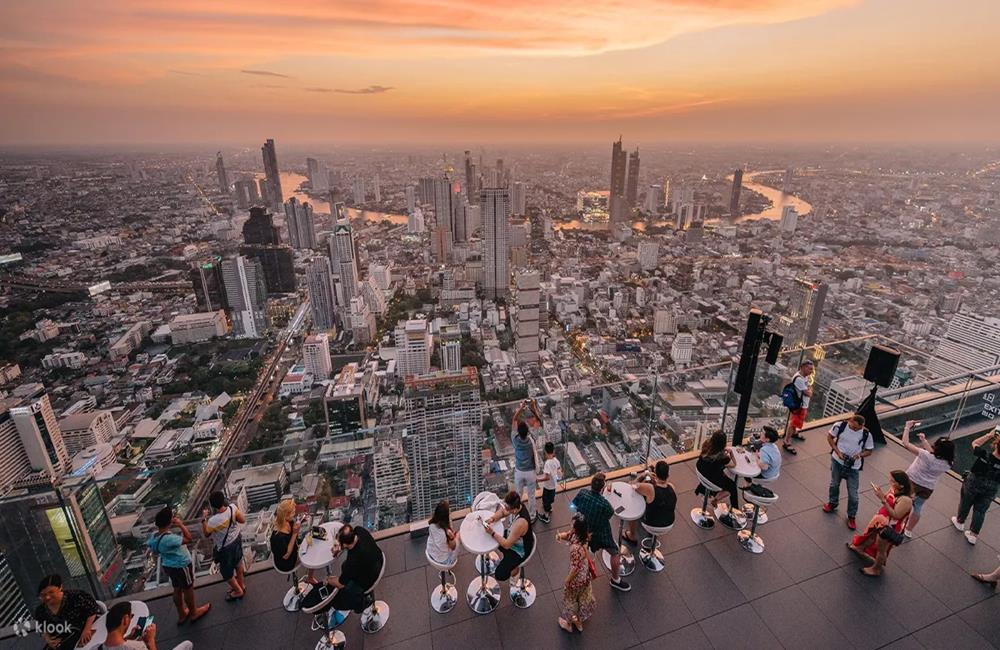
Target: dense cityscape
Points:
(355, 328)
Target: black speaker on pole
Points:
(881, 366)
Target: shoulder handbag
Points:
(218, 549)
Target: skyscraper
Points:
(220, 171)
(471, 180)
(442, 439)
(277, 264)
(31, 444)
(362, 320)
(209, 292)
(411, 199)
(301, 224)
(648, 255)
(316, 356)
(68, 533)
(246, 295)
(789, 220)
(734, 197)
(519, 195)
(358, 193)
(273, 177)
(495, 204)
(322, 298)
(343, 254)
(447, 203)
(451, 350)
(13, 606)
(632, 182)
(413, 347)
(319, 175)
(259, 229)
(972, 342)
(616, 197)
(654, 199)
(246, 193)
(525, 317)
(377, 188)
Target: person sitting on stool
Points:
(360, 570)
(661, 499)
(519, 540)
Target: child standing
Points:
(551, 474)
(578, 596)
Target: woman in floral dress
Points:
(578, 597)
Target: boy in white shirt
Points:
(551, 473)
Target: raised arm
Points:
(906, 437)
(980, 441)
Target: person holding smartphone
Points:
(518, 539)
(119, 620)
(526, 463)
(980, 485)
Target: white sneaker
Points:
(956, 524)
(971, 537)
(908, 533)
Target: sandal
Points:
(798, 436)
(790, 449)
(565, 626)
(230, 597)
(629, 539)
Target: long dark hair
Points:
(442, 515)
(901, 478)
(581, 531)
(944, 448)
(714, 445)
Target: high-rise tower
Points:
(322, 298)
(632, 182)
(274, 195)
(495, 204)
(616, 198)
(246, 295)
(734, 197)
(220, 171)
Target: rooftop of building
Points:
(803, 591)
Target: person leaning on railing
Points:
(980, 485)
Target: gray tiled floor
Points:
(804, 591)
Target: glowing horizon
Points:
(446, 71)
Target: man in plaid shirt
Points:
(597, 512)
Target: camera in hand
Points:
(318, 532)
(755, 442)
(849, 460)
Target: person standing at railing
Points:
(526, 463)
(931, 462)
(176, 562)
(980, 485)
(796, 396)
(225, 527)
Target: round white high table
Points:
(483, 593)
(139, 610)
(628, 505)
(318, 553)
(745, 467)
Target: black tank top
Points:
(529, 537)
(660, 513)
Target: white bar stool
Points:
(376, 615)
(749, 539)
(292, 602)
(649, 547)
(748, 508)
(522, 590)
(444, 597)
(703, 517)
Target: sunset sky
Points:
(442, 71)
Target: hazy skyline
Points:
(441, 71)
